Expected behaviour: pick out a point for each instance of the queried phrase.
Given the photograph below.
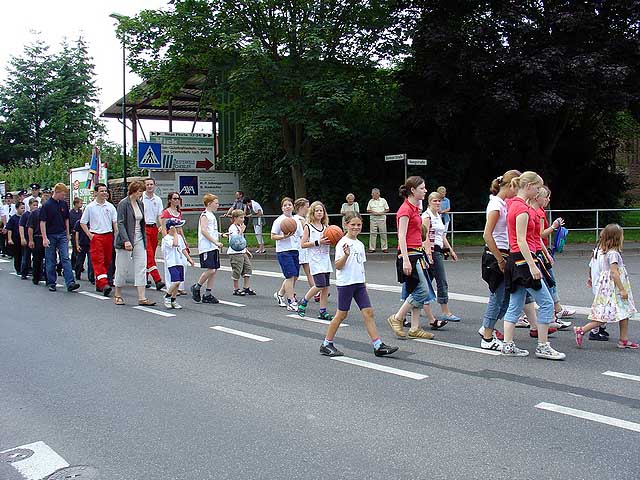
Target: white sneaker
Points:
(167, 302)
(562, 324)
(494, 344)
(565, 313)
(292, 307)
(522, 322)
(176, 305)
(280, 299)
(509, 349)
(544, 350)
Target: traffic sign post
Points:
(149, 155)
(399, 157)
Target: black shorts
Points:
(321, 280)
(210, 260)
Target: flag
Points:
(94, 169)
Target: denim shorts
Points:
(289, 263)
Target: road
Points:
(135, 394)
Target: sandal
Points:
(239, 293)
(627, 344)
(146, 302)
(118, 300)
(438, 324)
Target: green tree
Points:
(295, 64)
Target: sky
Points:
(90, 19)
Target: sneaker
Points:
(316, 298)
(510, 349)
(160, 285)
(493, 344)
(248, 291)
(302, 310)
(406, 323)
(534, 333)
(148, 285)
(598, 337)
(167, 302)
(195, 293)
(106, 291)
(176, 306)
(73, 286)
(384, 350)
(579, 333)
(450, 318)
(565, 313)
(325, 316)
(279, 299)
(603, 331)
(330, 350)
(523, 322)
(396, 326)
(420, 333)
(239, 293)
(544, 350)
(561, 324)
(292, 307)
(210, 299)
(52, 288)
(627, 344)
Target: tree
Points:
(297, 64)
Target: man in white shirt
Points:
(152, 211)
(99, 222)
(253, 210)
(35, 193)
(377, 207)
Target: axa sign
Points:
(189, 185)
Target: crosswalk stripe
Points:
(231, 304)
(41, 463)
(593, 417)
(93, 295)
(457, 346)
(314, 320)
(154, 311)
(625, 376)
(380, 368)
(240, 333)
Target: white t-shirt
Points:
(318, 257)
(256, 207)
(204, 245)
(28, 199)
(603, 263)
(100, 217)
(4, 214)
(152, 208)
(353, 270)
(234, 230)
(500, 235)
(173, 256)
(436, 228)
(289, 243)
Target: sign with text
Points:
(185, 151)
(78, 181)
(193, 186)
(393, 158)
(417, 161)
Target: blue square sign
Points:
(188, 185)
(149, 155)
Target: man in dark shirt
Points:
(83, 244)
(25, 269)
(13, 237)
(75, 214)
(54, 224)
(35, 244)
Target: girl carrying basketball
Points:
(316, 247)
(350, 280)
(287, 245)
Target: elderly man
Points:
(238, 203)
(377, 207)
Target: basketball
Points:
(334, 234)
(237, 242)
(288, 225)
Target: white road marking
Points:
(241, 334)
(41, 464)
(594, 417)
(626, 376)
(314, 320)
(380, 368)
(59, 286)
(153, 310)
(457, 346)
(93, 295)
(2, 260)
(232, 304)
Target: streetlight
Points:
(120, 18)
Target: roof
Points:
(184, 105)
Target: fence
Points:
(586, 219)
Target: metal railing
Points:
(593, 225)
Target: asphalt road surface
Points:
(116, 392)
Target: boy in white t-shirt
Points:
(208, 249)
(239, 259)
(174, 252)
(350, 281)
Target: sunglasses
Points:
(175, 198)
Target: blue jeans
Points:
(437, 268)
(542, 297)
(497, 307)
(554, 290)
(58, 243)
(423, 293)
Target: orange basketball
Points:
(288, 225)
(334, 234)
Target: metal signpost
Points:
(421, 162)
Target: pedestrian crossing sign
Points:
(149, 155)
